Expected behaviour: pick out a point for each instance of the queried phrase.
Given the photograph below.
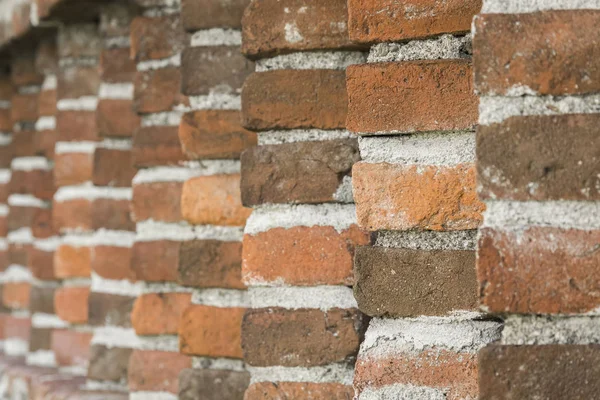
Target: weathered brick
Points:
(211, 331)
(159, 201)
(539, 158)
(317, 255)
(72, 168)
(41, 263)
(42, 223)
(404, 197)
(512, 53)
(41, 299)
(80, 40)
(15, 295)
(277, 173)
(211, 384)
(108, 364)
(213, 68)
(156, 37)
(77, 81)
(271, 27)
(156, 370)
(72, 261)
(371, 21)
(116, 65)
(214, 134)
(24, 107)
(71, 304)
(394, 282)
(213, 200)
(156, 145)
(76, 126)
(112, 167)
(317, 99)
(210, 264)
(112, 262)
(158, 90)
(159, 313)
(299, 390)
(37, 182)
(116, 118)
(300, 338)
(71, 348)
(509, 261)
(206, 14)
(110, 309)
(548, 371)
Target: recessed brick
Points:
(155, 261)
(5, 120)
(116, 65)
(158, 90)
(24, 71)
(211, 331)
(213, 200)
(156, 37)
(23, 143)
(404, 197)
(41, 299)
(112, 168)
(159, 201)
(46, 58)
(76, 126)
(89, 215)
(277, 173)
(210, 264)
(156, 145)
(512, 52)
(71, 348)
(41, 263)
(78, 81)
(72, 168)
(71, 304)
(47, 103)
(156, 371)
(108, 364)
(116, 118)
(15, 295)
(317, 99)
(110, 309)
(18, 253)
(205, 14)
(37, 182)
(72, 261)
(539, 158)
(371, 21)
(40, 339)
(44, 142)
(42, 223)
(298, 390)
(18, 328)
(159, 313)
(24, 107)
(271, 27)
(435, 96)
(508, 261)
(211, 384)
(112, 262)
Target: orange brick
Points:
(72, 168)
(159, 313)
(37, 182)
(16, 295)
(71, 261)
(71, 304)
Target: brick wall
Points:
(298, 199)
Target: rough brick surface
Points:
(317, 99)
(37, 182)
(159, 313)
(155, 261)
(24, 107)
(71, 261)
(41, 264)
(76, 126)
(116, 65)
(390, 196)
(513, 53)
(206, 14)
(88, 215)
(72, 168)
(435, 95)
(156, 370)
(71, 347)
(112, 262)
(212, 384)
(75, 82)
(277, 173)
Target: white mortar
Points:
(112, 336)
(149, 231)
(338, 60)
(26, 200)
(541, 330)
(182, 174)
(16, 273)
(90, 192)
(402, 392)
(84, 103)
(45, 124)
(116, 144)
(30, 164)
(293, 298)
(301, 135)
(20, 236)
(332, 373)
(101, 237)
(173, 61)
(86, 147)
(169, 118)
(222, 298)
(216, 37)
(216, 101)
(224, 364)
(152, 396)
(117, 91)
(530, 6)
(42, 320)
(15, 347)
(41, 358)
(428, 240)
(441, 48)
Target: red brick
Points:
(156, 145)
(160, 201)
(36, 182)
(154, 38)
(78, 81)
(159, 313)
(515, 51)
(24, 107)
(47, 103)
(317, 99)
(42, 224)
(71, 348)
(371, 21)
(508, 262)
(271, 27)
(317, 255)
(76, 126)
(155, 261)
(44, 142)
(299, 390)
(158, 90)
(213, 200)
(71, 304)
(399, 197)
(156, 370)
(435, 95)
(116, 65)
(116, 118)
(211, 331)
(205, 14)
(23, 143)
(112, 262)
(112, 168)
(72, 168)
(15, 295)
(218, 134)
(71, 261)
(41, 264)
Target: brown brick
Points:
(40, 339)
(154, 38)
(206, 14)
(210, 264)
(408, 283)
(159, 313)
(3, 226)
(300, 338)
(81, 40)
(156, 370)
(116, 118)
(155, 261)
(41, 264)
(116, 65)
(211, 331)
(7, 88)
(18, 253)
(212, 68)
(539, 158)
(271, 27)
(108, 364)
(218, 134)
(78, 81)
(72, 348)
(117, 18)
(317, 255)
(434, 96)
(71, 304)
(158, 90)
(512, 51)
(5, 120)
(404, 197)
(509, 261)
(23, 143)
(112, 167)
(24, 107)
(24, 71)
(213, 200)
(211, 384)
(71, 261)
(6, 155)
(76, 126)
(37, 182)
(15, 295)
(549, 371)
(299, 390)
(112, 262)
(41, 299)
(42, 223)
(160, 201)
(47, 103)
(156, 145)
(110, 309)
(44, 141)
(277, 173)
(72, 168)
(317, 99)
(371, 21)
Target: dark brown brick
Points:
(278, 173)
(210, 263)
(156, 145)
(41, 263)
(158, 90)
(315, 99)
(46, 60)
(47, 103)
(110, 309)
(156, 37)
(108, 364)
(116, 65)
(205, 14)
(37, 182)
(113, 168)
(40, 339)
(41, 299)
(301, 338)
(212, 384)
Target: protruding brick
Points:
(15, 295)
(110, 309)
(37, 182)
(156, 37)
(159, 313)
(41, 263)
(210, 264)
(399, 197)
(299, 390)
(109, 364)
(71, 348)
(24, 107)
(72, 168)
(316, 99)
(112, 168)
(116, 65)
(158, 90)
(41, 299)
(72, 261)
(206, 14)
(159, 201)
(212, 384)
(71, 304)
(89, 215)
(434, 96)
(211, 331)
(112, 262)
(156, 371)
(156, 145)
(278, 173)
(373, 21)
(76, 126)
(116, 118)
